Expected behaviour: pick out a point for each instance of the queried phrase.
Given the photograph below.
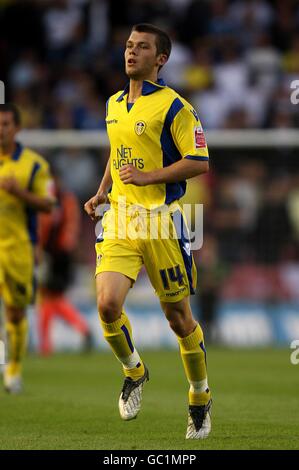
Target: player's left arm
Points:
(188, 136)
(38, 195)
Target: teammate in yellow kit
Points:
(24, 189)
(157, 143)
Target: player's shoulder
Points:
(173, 95)
(164, 92)
(185, 104)
(163, 89)
(112, 101)
(115, 96)
(33, 157)
(180, 106)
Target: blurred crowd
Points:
(233, 59)
(251, 232)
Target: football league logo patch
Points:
(140, 127)
(199, 137)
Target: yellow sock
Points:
(17, 344)
(193, 355)
(119, 335)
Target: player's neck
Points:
(136, 88)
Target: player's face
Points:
(141, 56)
(8, 129)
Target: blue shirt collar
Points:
(148, 88)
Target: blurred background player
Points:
(25, 188)
(58, 236)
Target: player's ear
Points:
(162, 59)
(17, 129)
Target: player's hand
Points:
(129, 174)
(11, 185)
(91, 205)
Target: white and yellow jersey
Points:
(17, 220)
(161, 128)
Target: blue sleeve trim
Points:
(194, 157)
(175, 107)
(35, 168)
(171, 154)
(32, 224)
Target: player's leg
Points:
(192, 349)
(70, 314)
(16, 331)
(118, 263)
(115, 323)
(46, 312)
(172, 272)
(17, 294)
(193, 353)
(112, 289)
(60, 278)
(1, 300)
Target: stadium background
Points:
(234, 61)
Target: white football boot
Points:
(12, 383)
(199, 421)
(129, 403)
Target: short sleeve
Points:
(188, 134)
(41, 181)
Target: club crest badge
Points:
(140, 127)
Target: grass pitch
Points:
(70, 402)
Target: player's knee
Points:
(108, 308)
(14, 314)
(179, 322)
(181, 327)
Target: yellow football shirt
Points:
(161, 128)
(17, 220)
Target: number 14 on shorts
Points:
(173, 274)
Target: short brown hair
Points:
(11, 108)
(163, 41)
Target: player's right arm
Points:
(38, 195)
(101, 195)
